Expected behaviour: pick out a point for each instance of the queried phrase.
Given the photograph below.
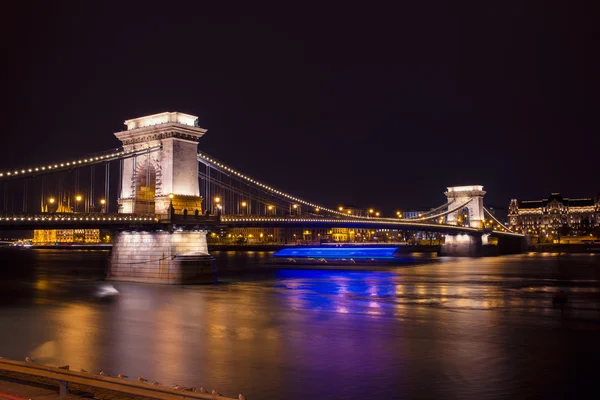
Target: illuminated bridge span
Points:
(378, 223)
(168, 195)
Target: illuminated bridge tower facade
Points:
(150, 182)
(473, 197)
(472, 214)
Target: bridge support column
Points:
(462, 245)
(161, 257)
(512, 244)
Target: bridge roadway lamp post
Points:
(78, 199)
(103, 206)
(217, 204)
(243, 209)
(296, 209)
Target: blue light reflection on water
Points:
(359, 292)
(338, 252)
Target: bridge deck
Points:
(155, 222)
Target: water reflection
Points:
(457, 328)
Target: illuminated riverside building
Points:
(269, 236)
(72, 236)
(534, 216)
(67, 236)
(308, 236)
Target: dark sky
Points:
(336, 104)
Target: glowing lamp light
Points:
(51, 200)
(270, 208)
(341, 208)
(244, 204)
(217, 199)
(295, 206)
(102, 201)
(78, 197)
(171, 195)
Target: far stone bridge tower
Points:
(472, 197)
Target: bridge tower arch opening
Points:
(145, 188)
(472, 199)
(175, 176)
(463, 217)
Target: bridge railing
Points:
(74, 217)
(64, 376)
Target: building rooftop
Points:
(559, 198)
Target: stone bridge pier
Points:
(168, 257)
(463, 245)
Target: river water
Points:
(481, 328)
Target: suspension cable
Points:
(495, 219)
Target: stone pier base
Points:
(161, 257)
(462, 245)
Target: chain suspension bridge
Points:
(160, 196)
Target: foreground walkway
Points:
(19, 389)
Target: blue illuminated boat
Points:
(337, 255)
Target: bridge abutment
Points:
(512, 244)
(161, 257)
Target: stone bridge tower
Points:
(150, 182)
(473, 196)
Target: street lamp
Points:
(103, 203)
(295, 207)
(243, 204)
(377, 214)
(341, 208)
(78, 199)
(51, 201)
(217, 201)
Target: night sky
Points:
(381, 107)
